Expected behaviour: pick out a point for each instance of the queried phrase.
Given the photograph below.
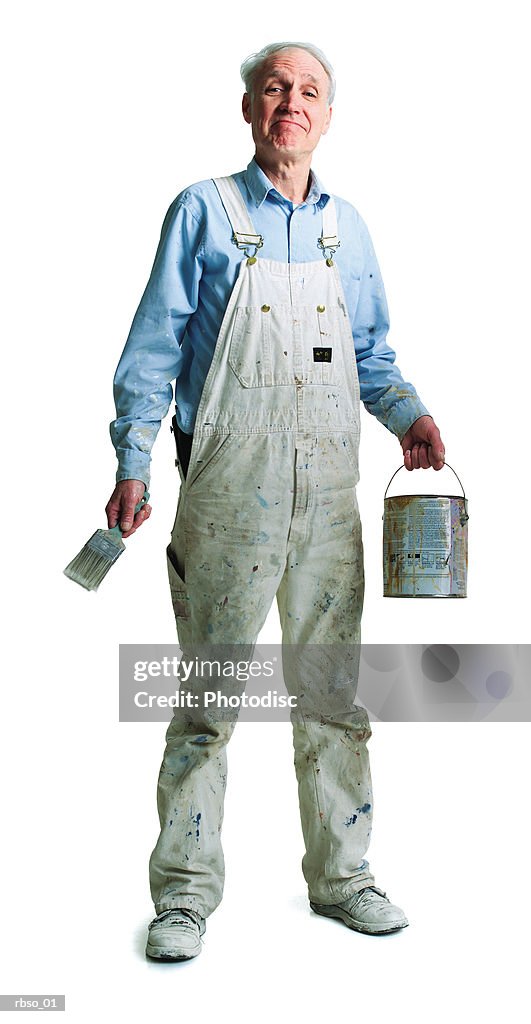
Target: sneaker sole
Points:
(357, 926)
(169, 954)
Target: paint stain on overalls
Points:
(268, 508)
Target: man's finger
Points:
(436, 463)
(424, 461)
(112, 511)
(127, 516)
(140, 517)
(434, 439)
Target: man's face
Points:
(289, 110)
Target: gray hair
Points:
(252, 65)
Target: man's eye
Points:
(273, 88)
(312, 94)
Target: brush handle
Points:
(142, 502)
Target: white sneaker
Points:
(368, 910)
(175, 935)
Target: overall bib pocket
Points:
(261, 348)
(271, 346)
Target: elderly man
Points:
(266, 305)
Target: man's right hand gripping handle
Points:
(121, 507)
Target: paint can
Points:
(425, 544)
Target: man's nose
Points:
(290, 102)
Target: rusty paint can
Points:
(425, 544)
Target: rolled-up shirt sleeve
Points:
(152, 358)
(383, 390)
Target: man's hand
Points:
(121, 507)
(422, 445)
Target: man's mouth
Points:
(284, 120)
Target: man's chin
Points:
(286, 144)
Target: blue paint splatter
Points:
(365, 809)
(350, 821)
(201, 739)
(263, 502)
(327, 600)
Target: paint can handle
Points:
(465, 515)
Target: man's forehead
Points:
(295, 61)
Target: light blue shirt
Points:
(175, 328)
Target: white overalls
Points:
(268, 507)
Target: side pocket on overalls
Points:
(178, 591)
(183, 446)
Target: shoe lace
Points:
(178, 917)
(366, 896)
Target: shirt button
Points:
(265, 309)
(320, 309)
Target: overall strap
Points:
(329, 241)
(243, 233)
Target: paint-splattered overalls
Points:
(268, 507)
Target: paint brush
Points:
(98, 555)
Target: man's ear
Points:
(246, 107)
(326, 125)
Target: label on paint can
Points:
(425, 546)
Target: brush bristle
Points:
(95, 559)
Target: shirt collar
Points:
(259, 186)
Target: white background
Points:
(112, 109)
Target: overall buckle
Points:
(329, 244)
(245, 242)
